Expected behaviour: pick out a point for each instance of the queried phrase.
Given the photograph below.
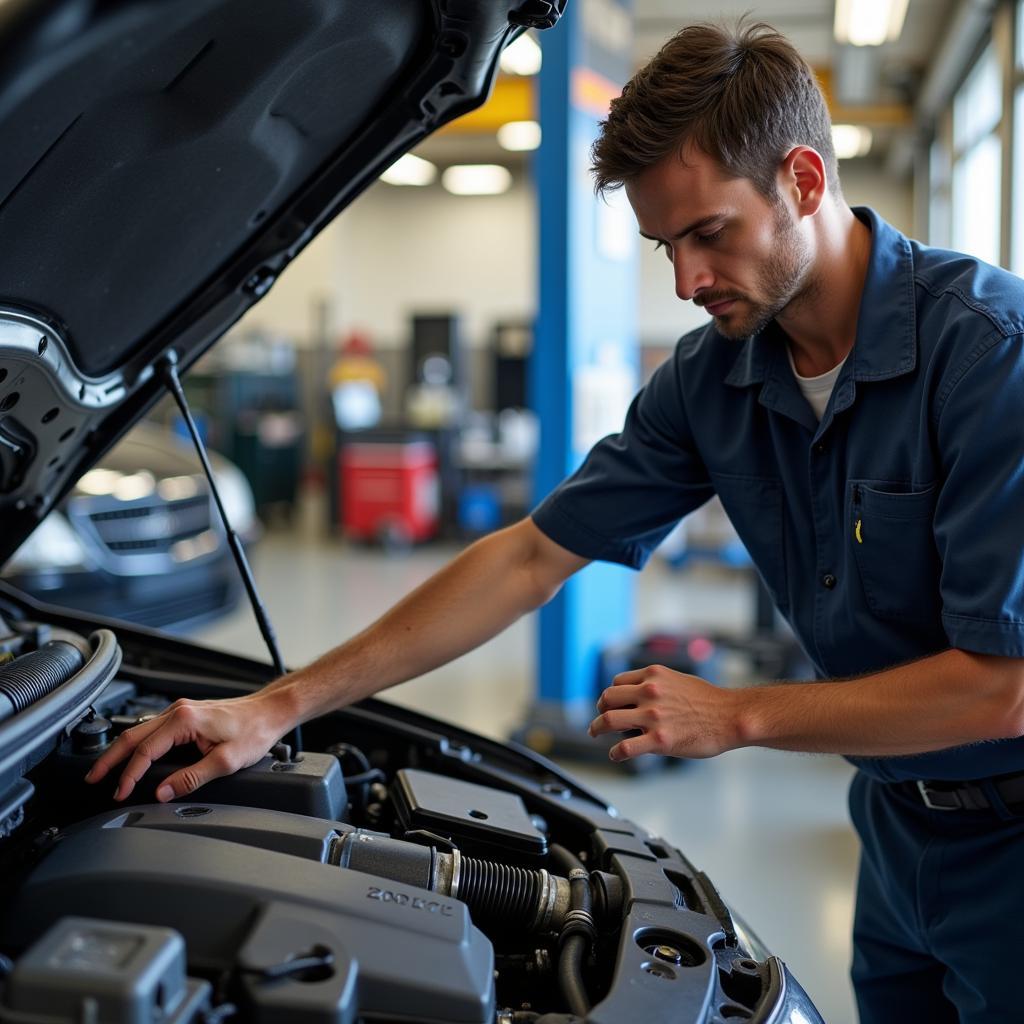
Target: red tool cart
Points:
(389, 491)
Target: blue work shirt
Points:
(890, 530)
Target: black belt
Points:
(941, 795)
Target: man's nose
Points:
(692, 276)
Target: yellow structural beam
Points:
(511, 100)
(874, 115)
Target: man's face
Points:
(735, 253)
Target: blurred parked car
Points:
(139, 537)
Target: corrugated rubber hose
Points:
(32, 676)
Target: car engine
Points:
(396, 869)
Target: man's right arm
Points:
(477, 595)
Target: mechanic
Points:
(856, 403)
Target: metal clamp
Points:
(578, 922)
(545, 902)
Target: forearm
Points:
(481, 592)
(948, 699)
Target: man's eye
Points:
(662, 245)
(713, 237)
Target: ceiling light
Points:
(523, 57)
(869, 22)
(519, 136)
(410, 170)
(476, 179)
(850, 140)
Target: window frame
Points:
(1006, 38)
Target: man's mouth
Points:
(719, 308)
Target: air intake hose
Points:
(527, 898)
(32, 676)
(501, 892)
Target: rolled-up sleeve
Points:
(633, 487)
(979, 516)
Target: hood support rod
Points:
(168, 369)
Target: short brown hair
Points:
(745, 97)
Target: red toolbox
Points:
(389, 490)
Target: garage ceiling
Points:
(874, 86)
(808, 23)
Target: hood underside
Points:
(164, 161)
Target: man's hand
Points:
(232, 734)
(680, 715)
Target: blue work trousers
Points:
(939, 926)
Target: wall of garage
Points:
(399, 251)
(406, 250)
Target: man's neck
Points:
(821, 323)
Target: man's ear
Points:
(803, 180)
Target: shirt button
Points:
(828, 581)
(820, 448)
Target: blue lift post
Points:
(585, 363)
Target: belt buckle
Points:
(928, 795)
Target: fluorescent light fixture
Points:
(523, 57)
(519, 136)
(850, 140)
(410, 170)
(476, 179)
(869, 22)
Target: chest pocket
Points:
(893, 542)
(754, 505)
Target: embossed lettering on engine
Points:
(404, 899)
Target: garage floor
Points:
(770, 828)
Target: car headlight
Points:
(52, 547)
(787, 1002)
(236, 495)
(748, 940)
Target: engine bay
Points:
(396, 869)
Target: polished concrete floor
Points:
(770, 828)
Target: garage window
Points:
(1017, 200)
(977, 159)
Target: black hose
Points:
(342, 750)
(577, 931)
(500, 892)
(32, 676)
(366, 776)
(570, 974)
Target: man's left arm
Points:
(945, 700)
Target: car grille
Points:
(153, 528)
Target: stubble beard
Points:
(784, 280)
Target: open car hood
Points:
(400, 868)
(163, 162)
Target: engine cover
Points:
(395, 951)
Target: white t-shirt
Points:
(817, 390)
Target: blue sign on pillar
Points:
(585, 362)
